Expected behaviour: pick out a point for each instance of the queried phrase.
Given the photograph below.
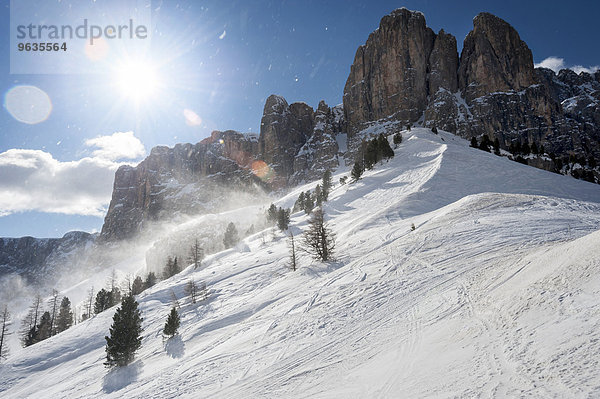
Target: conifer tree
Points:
(293, 255)
(309, 203)
(371, 154)
(103, 301)
(357, 171)
(231, 238)
(398, 139)
(271, 215)
(137, 286)
(65, 316)
(54, 307)
(44, 330)
(172, 323)
(5, 322)
(150, 280)
(384, 149)
(171, 268)
(125, 334)
(283, 219)
(319, 241)
(326, 185)
(30, 323)
(474, 143)
(299, 204)
(496, 146)
(318, 195)
(196, 254)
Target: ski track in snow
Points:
(495, 294)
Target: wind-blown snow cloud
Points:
(557, 63)
(33, 180)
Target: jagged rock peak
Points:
(275, 104)
(494, 59)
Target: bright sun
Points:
(137, 81)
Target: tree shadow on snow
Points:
(119, 377)
(175, 346)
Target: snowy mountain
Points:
(493, 294)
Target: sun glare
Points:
(137, 81)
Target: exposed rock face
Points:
(389, 74)
(284, 129)
(39, 258)
(295, 144)
(492, 90)
(493, 59)
(443, 64)
(186, 179)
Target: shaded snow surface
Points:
(495, 294)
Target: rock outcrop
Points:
(407, 74)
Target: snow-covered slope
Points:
(495, 294)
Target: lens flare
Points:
(28, 104)
(191, 118)
(262, 170)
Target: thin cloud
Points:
(120, 145)
(33, 180)
(557, 63)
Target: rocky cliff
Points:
(406, 74)
(225, 170)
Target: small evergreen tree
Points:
(283, 219)
(5, 321)
(30, 323)
(103, 301)
(398, 139)
(485, 143)
(172, 323)
(293, 256)
(125, 334)
(299, 204)
(319, 241)
(371, 154)
(137, 287)
(326, 185)
(44, 330)
(231, 238)
(474, 143)
(150, 280)
(434, 129)
(384, 149)
(171, 268)
(357, 171)
(309, 203)
(271, 216)
(65, 316)
(196, 254)
(318, 195)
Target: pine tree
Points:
(398, 139)
(371, 154)
(137, 286)
(103, 301)
(44, 330)
(496, 146)
(5, 320)
(357, 171)
(293, 255)
(30, 323)
(283, 219)
(172, 323)
(171, 268)
(196, 254)
(318, 195)
(299, 204)
(54, 307)
(485, 144)
(65, 316)
(231, 238)
(319, 241)
(434, 129)
(271, 216)
(150, 280)
(326, 185)
(385, 151)
(474, 143)
(309, 203)
(125, 334)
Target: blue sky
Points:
(219, 60)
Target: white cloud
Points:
(33, 180)
(557, 63)
(117, 146)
